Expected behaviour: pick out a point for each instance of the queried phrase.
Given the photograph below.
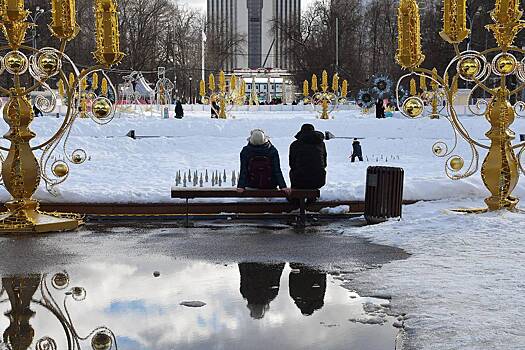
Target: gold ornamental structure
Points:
(326, 97)
(225, 94)
(491, 71)
(31, 70)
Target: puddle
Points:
(181, 304)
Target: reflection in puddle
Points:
(240, 306)
(21, 293)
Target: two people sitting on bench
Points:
(260, 165)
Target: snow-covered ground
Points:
(143, 170)
(464, 283)
(463, 286)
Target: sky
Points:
(202, 3)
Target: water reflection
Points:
(260, 285)
(252, 306)
(21, 293)
(307, 287)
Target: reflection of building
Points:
(307, 288)
(259, 286)
(261, 23)
(270, 84)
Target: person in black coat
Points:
(380, 109)
(308, 159)
(307, 288)
(179, 111)
(260, 164)
(357, 152)
(37, 112)
(214, 110)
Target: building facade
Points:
(262, 24)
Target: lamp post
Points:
(501, 168)
(21, 171)
(191, 90)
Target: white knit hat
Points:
(257, 137)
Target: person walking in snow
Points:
(179, 111)
(357, 151)
(260, 164)
(214, 110)
(308, 159)
(380, 109)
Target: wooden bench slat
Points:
(185, 193)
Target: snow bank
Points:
(143, 170)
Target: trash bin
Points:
(384, 194)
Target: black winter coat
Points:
(179, 111)
(266, 150)
(357, 151)
(308, 160)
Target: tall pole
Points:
(337, 45)
(204, 39)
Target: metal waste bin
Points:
(384, 194)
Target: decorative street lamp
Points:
(326, 98)
(502, 165)
(225, 95)
(21, 171)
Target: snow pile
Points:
(143, 170)
(463, 286)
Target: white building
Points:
(261, 23)
(269, 84)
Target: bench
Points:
(192, 193)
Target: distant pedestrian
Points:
(308, 159)
(214, 110)
(37, 112)
(260, 164)
(179, 111)
(357, 151)
(380, 109)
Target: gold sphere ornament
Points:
(469, 67)
(505, 64)
(457, 163)
(60, 169)
(101, 107)
(48, 63)
(60, 280)
(437, 150)
(413, 107)
(78, 158)
(101, 341)
(15, 62)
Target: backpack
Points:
(260, 173)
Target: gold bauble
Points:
(469, 67)
(505, 64)
(15, 62)
(413, 107)
(77, 159)
(101, 341)
(437, 150)
(48, 63)
(60, 169)
(101, 108)
(60, 280)
(457, 163)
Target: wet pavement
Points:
(217, 287)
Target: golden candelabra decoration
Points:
(503, 163)
(226, 95)
(432, 95)
(327, 98)
(21, 171)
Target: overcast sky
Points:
(202, 3)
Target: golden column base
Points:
(24, 217)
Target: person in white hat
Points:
(260, 164)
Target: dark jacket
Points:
(214, 110)
(308, 160)
(357, 151)
(380, 109)
(266, 150)
(179, 111)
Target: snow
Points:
(463, 286)
(124, 170)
